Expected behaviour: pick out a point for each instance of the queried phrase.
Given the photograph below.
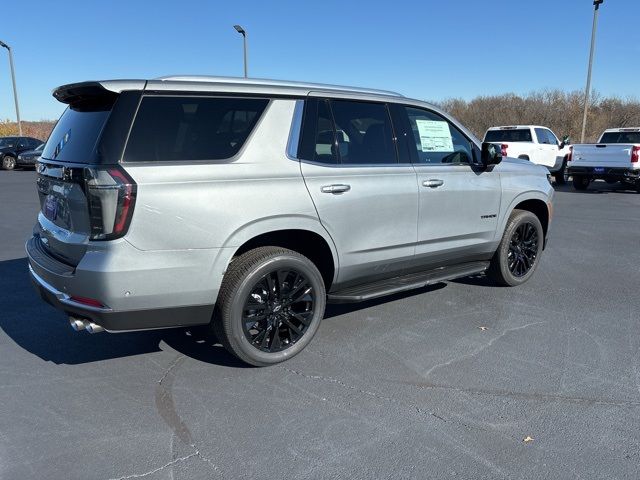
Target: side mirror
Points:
(491, 154)
(561, 145)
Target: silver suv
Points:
(247, 205)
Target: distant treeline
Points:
(558, 110)
(39, 130)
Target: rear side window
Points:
(363, 132)
(325, 151)
(76, 134)
(620, 137)
(510, 135)
(169, 129)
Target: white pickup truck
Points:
(534, 143)
(615, 158)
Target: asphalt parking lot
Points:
(443, 382)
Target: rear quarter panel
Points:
(220, 205)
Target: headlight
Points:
(20, 157)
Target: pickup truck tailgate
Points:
(612, 155)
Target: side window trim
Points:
(293, 144)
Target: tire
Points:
(519, 251)
(561, 176)
(264, 278)
(580, 182)
(8, 162)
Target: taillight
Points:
(111, 195)
(503, 149)
(570, 154)
(635, 154)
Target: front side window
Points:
(552, 138)
(170, 129)
(436, 140)
(541, 133)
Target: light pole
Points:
(15, 90)
(596, 9)
(242, 32)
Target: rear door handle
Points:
(337, 188)
(433, 183)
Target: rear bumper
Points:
(122, 321)
(139, 290)
(624, 174)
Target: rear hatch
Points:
(83, 193)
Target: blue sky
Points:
(425, 49)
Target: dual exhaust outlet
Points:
(79, 324)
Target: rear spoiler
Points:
(101, 91)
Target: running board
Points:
(389, 286)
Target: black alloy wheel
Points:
(278, 310)
(518, 254)
(269, 306)
(523, 249)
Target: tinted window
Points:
(510, 135)
(324, 150)
(75, 135)
(191, 128)
(620, 137)
(436, 140)
(7, 141)
(363, 132)
(541, 133)
(552, 138)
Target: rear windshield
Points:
(170, 129)
(511, 135)
(76, 134)
(620, 137)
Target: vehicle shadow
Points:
(44, 331)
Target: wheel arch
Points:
(535, 202)
(305, 237)
(539, 208)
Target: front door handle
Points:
(337, 188)
(433, 183)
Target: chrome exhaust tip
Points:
(94, 328)
(78, 324)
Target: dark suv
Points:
(11, 147)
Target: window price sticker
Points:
(435, 136)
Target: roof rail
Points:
(273, 83)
